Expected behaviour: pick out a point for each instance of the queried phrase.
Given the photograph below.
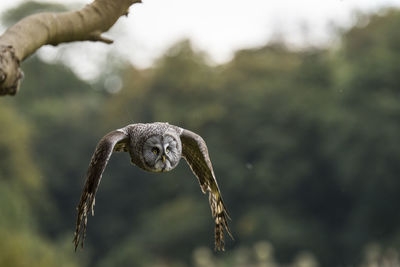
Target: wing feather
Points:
(195, 152)
(113, 141)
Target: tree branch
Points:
(29, 34)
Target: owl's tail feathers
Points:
(221, 217)
(85, 206)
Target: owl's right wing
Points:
(114, 141)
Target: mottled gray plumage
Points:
(154, 147)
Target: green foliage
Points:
(23, 199)
(17, 164)
(22, 248)
(304, 145)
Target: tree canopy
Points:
(304, 145)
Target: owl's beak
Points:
(163, 158)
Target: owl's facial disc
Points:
(161, 153)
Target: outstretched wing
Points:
(113, 141)
(195, 152)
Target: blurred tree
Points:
(23, 200)
(304, 145)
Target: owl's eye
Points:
(155, 150)
(167, 150)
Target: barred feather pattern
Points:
(95, 171)
(131, 139)
(221, 217)
(195, 152)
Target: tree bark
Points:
(29, 34)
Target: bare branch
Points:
(29, 34)
(10, 73)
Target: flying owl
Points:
(154, 147)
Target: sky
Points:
(218, 27)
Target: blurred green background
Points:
(305, 146)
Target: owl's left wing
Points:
(113, 141)
(195, 152)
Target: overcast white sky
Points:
(221, 26)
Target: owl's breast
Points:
(136, 158)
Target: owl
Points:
(154, 147)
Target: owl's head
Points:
(161, 153)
